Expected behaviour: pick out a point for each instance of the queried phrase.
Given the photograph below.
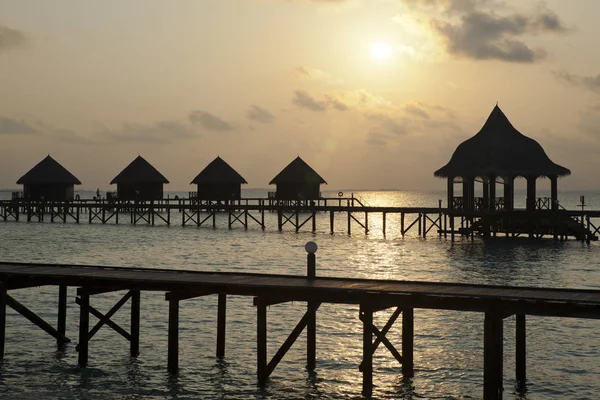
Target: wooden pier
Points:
(371, 296)
(297, 215)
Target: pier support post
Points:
(221, 319)
(84, 326)
(279, 220)
(331, 221)
(311, 325)
(62, 311)
(384, 217)
(349, 222)
(134, 341)
(2, 319)
(261, 341)
(492, 355)
(173, 346)
(408, 334)
(366, 310)
(521, 350)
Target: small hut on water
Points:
(218, 181)
(140, 181)
(48, 180)
(298, 181)
(499, 152)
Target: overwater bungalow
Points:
(297, 181)
(499, 153)
(139, 181)
(218, 181)
(48, 180)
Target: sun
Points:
(381, 51)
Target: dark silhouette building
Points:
(139, 181)
(218, 181)
(297, 181)
(498, 152)
(48, 180)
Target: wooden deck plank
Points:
(462, 296)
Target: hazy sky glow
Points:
(259, 82)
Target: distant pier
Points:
(298, 215)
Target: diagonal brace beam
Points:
(31, 316)
(290, 340)
(380, 336)
(105, 319)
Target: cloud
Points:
(260, 114)
(159, 132)
(304, 100)
(9, 126)
(209, 121)
(474, 29)
(591, 83)
(11, 38)
(316, 74)
(377, 138)
(335, 103)
(388, 123)
(417, 111)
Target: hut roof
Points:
(297, 171)
(218, 171)
(48, 171)
(139, 171)
(499, 149)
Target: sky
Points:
(373, 94)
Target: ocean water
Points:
(563, 354)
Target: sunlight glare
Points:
(381, 51)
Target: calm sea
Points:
(563, 354)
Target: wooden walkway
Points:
(497, 302)
(559, 224)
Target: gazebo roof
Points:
(139, 171)
(501, 150)
(48, 171)
(218, 171)
(297, 171)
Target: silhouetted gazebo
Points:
(48, 180)
(139, 181)
(499, 151)
(218, 181)
(297, 181)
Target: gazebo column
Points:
(450, 192)
(531, 196)
(554, 192)
(486, 194)
(508, 193)
(468, 198)
(492, 184)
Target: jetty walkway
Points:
(496, 302)
(560, 224)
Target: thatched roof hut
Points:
(218, 181)
(48, 180)
(139, 181)
(499, 150)
(297, 181)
